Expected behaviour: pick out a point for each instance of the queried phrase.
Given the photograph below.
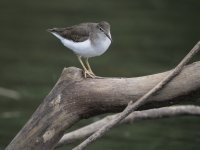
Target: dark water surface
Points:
(149, 36)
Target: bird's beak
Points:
(108, 36)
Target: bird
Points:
(86, 40)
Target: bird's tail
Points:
(55, 30)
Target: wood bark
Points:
(74, 98)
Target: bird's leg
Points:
(79, 58)
(88, 65)
(86, 71)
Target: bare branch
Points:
(132, 106)
(74, 98)
(157, 113)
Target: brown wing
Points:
(74, 33)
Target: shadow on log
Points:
(74, 98)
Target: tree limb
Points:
(156, 113)
(74, 98)
(133, 106)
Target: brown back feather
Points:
(74, 33)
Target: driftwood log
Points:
(74, 98)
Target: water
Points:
(148, 37)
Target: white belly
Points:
(86, 48)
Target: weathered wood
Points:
(53, 116)
(74, 98)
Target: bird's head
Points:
(104, 27)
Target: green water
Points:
(149, 36)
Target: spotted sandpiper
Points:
(85, 40)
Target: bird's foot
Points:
(89, 74)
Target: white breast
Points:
(101, 45)
(86, 48)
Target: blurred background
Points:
(150, 36)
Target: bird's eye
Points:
(100, 29)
